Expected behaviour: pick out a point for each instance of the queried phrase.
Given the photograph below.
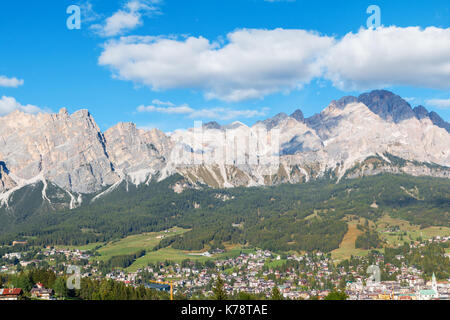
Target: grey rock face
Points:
(438, 121)
(136, 153)
(387, 105)
(273, 122)
(212, 125)
(298, 115)
(327, 144)
(6, 182)
(341, 103)
(422, 113)
(66, 149)
(72, 153)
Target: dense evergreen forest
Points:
(286, 217)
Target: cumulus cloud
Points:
(127, 18)
(9, 104)
(390, 56)
(10, 82)
(439, 103)
(252, 64)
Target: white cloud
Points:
(88, 13)
(127, 18)
(10, 82)
(183, 109)
(163, 103)
(205, 113)
(439, 103)
(9, 104)
(226, 114)
(411, 99)
(252, 64)
(391, 56)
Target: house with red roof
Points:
(40, 292)
(11, 294)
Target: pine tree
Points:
(219, 290)
(276, 294)
(60, 288)
(336, 295)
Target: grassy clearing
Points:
(412, 232)
(132, 244)
(275, 263)
(164, 254)
(347, 247)
(90, 246)
(147, 241)
(234, 250)
(175, 255)
(392, 238)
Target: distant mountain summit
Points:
(422, 113)
(387, 105)
(392, 107)
(67, 157)
(274, 121)
(298, 115)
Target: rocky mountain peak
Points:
(63, 111)
(274, 121)
(212, 125)
(71, 152)
(341, 103)
(387, 105)
(438, 121)
(421, 112)
(298, 115)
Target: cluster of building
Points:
(37, 292)
(417, 289)
(252, 273)
(305, 276)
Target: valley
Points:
(364, 181)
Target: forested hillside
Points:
(286, 217)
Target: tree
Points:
(276, 294)
(22, 281)
(245, 296)
(336, 295)
(342, 283)
(60, 288)
(219, 290)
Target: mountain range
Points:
(73, 161)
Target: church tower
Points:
(434, 283)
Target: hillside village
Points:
(306, 276)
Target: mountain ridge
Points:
(71, 152)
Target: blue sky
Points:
(222, 60)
